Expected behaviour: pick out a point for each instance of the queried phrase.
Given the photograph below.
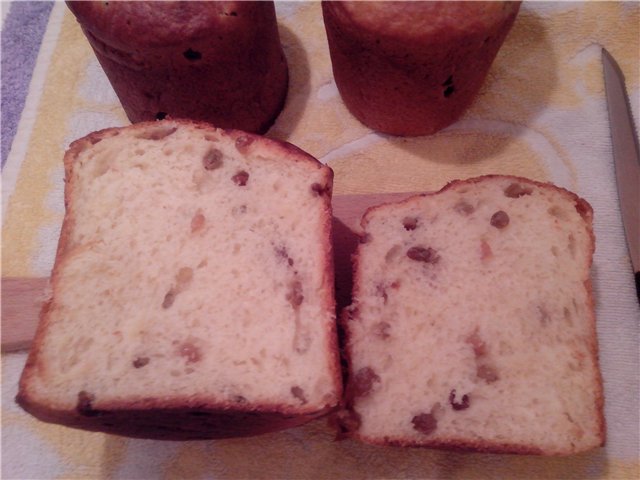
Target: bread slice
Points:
(472, 324)
(192, 293)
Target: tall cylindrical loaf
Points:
(221, 62)
(412, 68)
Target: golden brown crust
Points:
(221, 62)
(152, 24)
(189, 417)
(582, 206)
(413, 69)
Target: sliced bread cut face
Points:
(192, 293)
(473, 323)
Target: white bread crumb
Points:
(192, 290)
(473, 325)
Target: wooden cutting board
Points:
(22, 297)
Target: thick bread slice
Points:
(473, 324)
(192, 289)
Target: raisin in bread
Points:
(413, 68)
(472, 324)
(221, 62)
(192, 289)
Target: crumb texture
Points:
(472, 323)
(194, 268)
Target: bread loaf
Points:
(413, 68)
(472, 324)
(192, 293)
(221, 62)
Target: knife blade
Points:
(626, 155)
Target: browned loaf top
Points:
(472, 324)
(221, 62)
(192, 293)
(413, 68)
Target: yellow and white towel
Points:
(541, 114)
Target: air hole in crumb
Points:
(192, 55)
(381, 291)
(156, 132)
(543, 315)
(392, 254)
(381, 330)
(485, 250)
(169, 298)
(567, 316)
(243, 142)
(239, 210)
(161, 115)
(556, 211)
(448, 91)
(448, 81)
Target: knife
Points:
(626, 155)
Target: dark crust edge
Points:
(176, 420)
(586, 212)
(335, 12)
(145, 418)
